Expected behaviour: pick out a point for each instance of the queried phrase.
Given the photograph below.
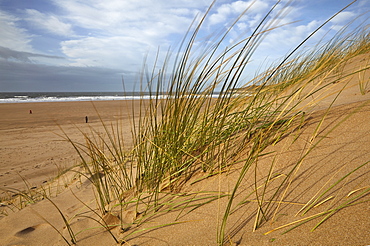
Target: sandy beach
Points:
(32, 146)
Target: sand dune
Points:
(31, 148)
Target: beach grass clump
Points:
(189, 131)
(184, 130)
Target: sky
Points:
(92, 45)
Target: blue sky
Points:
(89, 45)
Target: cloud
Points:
(48, 22)
(143, 19)
(139, 24)
(12, 36)
(122, 32)
(15, 76)
(341, 20)
(22, 56)
(113, 52)
(101, 39)
(234, 9)
(281, 41)
(343, 17)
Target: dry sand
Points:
(30, 147)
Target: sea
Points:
(26, 97)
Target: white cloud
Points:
(12, 36)
(124, 31)
(282, 17)
(280, 41)
(114, 52)
(234, 9)
(343, 17)
(221, 16)
(241, 26)
(50, 23)
(117, 17)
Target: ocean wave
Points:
(71, 97)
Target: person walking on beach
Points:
(86, 119)
(30, 111)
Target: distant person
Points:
(30, 111)
(86, 119)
